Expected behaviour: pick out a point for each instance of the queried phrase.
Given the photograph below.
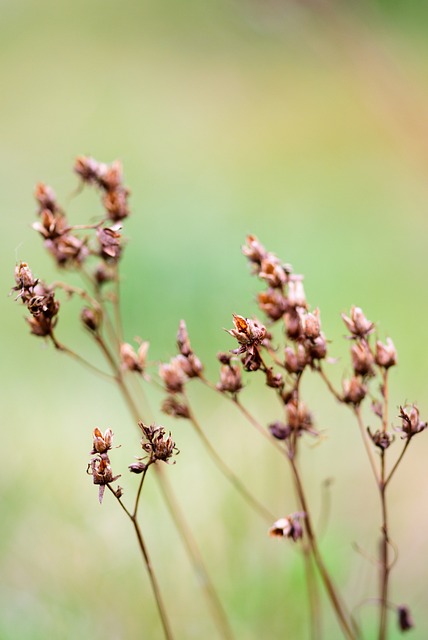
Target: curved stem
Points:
(228, 473)
(153, 580)
(366, 442)
(338, 606)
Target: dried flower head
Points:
(273, 303)
(46, 197)
(358, 324)
(230, 375)
(299, 418)
(100, 470)
(132, 361)
(386, 354)
(410, 421)
(254, 251)
(279, 430)
(156, 443)
(354, 391)
(289, 527)
(405, 620)
(109, 241)
(102, 442)
(296, 293)
(172, 406)
(91, 318)
(381, 439)
(173, 375)
(362, 358)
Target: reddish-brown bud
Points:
(295, 359)
(311, 325)
(296, 292)
(354, 391)
(102, 442)
(173, 375)
(358, 324)
(362, 359)
(411, 423)
(289, 527)
(386, 354)
(91, 318)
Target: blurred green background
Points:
(304, 123)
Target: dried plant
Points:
(280, 356)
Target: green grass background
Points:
(305, 126)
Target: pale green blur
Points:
(307, 128)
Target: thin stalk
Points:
(184, 530)
(154, 583)
(228, 473)
(338, 606)
(366, 442)
(384, 555)
(313, 595)
(80, 359)
(400, 457)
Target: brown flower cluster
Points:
(364, 357)
(175, 373)
(39, 300)
(285, 300)
(99, 466)
(156, 444)
(108, 178)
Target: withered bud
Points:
(311, 325)
(354, 391)
(89, 169)
(183, 341)
(247, 332)
(138, 467)
(381, 439)
(253, 250)
(132, 361)
(104, 273)
(317, 349)
(191, 365)
(91, 318)
(295, 360)
(102, 474)
(116, 204)
(279, 430)
(289, 527)
(358, 324)
(110, 247)
(25, 281)
(272, 272)
(274, 380)
(299, 417)
(230, 378)
(293, 325)
(111, 176)
(156, 443)
(67, 249)
(173, 375)
(273, 303)
(405, 620)
(51, 225)
(296, 292)
(172, 406)
(410, 421)
(377, 408)
(119, 492)
(362, 359)
(224, 358)
(386, 354)
(46, 197)
(102, 442)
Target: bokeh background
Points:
(304, 123)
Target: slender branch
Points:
(184, 530)
(384, 555)
(143, 548)
(61, 347)
(400, 457)
(338, 606)
(313, 595)
(140, 488)
(228, 473)
(330, 386)
(366, 442)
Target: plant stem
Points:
(338, 606)
(228, 473)
(155, 587)
(384, 555)
(366, 442)
(187, 538)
